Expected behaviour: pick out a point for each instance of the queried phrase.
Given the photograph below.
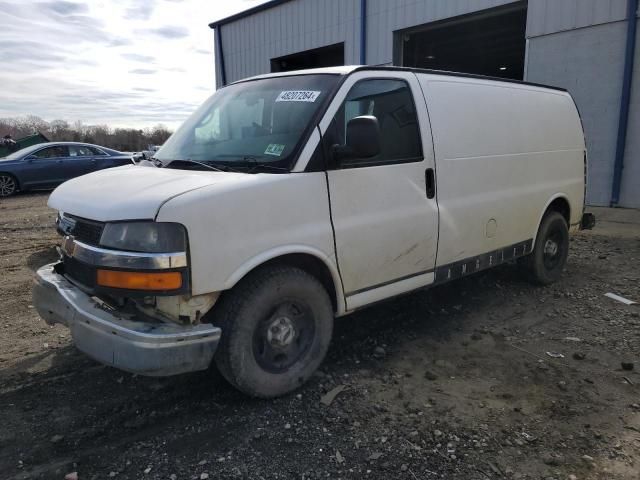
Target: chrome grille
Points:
(83, 230)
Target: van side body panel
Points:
(503, 152)
(233, 230)
(386, 226)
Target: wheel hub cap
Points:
(550, 247)
(281, 332)
(7, 186)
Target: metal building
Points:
(585, 46)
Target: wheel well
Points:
(12, 176)
(313, 266)
(560, 205)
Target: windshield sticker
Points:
(298, 96)
(274, 149)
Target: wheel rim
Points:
(284, 337)
(553, 250)
(7, 185)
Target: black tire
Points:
(8, 185)
(276, 328)
(550, 251)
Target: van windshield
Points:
(248, 124)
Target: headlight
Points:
(147, 237)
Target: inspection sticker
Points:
(298, 96)
(274, 149)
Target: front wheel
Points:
(276, 328)
(550, 251)
(8, 185)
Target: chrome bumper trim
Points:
(145, 348)
(103, 257)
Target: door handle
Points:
(430, 182)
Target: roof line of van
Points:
(349, 69)
(455, 74)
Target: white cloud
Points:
(129, 63)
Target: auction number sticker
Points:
(298, 96)
(274, 149)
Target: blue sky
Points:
(128, 63)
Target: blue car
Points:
(47, 165)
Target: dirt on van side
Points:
(485, 378)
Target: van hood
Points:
(130, 192)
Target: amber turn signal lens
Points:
(140, 280)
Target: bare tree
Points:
(60, 131)
(124, 139)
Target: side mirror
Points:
(363, 138)
(30, 158)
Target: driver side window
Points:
(391, 102)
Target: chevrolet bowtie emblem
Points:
(67, 224)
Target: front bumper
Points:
(145, 348)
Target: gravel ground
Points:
(453, 382)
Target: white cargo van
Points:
(289, 199)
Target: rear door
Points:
(45, 167)
(80, 162)
(384, 212)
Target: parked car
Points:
(288, 199)
(47, 165)
(146, 154)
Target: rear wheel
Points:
(276, 328)
(550, 252)
(8, 185)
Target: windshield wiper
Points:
(265, 166)
(257, 165)
(223, 167)
(188, 160)
(251, 165)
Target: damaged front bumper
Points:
(142, 347)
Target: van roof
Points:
(347, 69)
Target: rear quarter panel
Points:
(112, 161)
(503, 152)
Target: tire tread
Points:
(233, 302)
(533, 263)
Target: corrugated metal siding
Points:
(250, 43)
(589, 63)
(630, 192)
(550, 16)
(386, 16)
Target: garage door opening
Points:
(330, 56)
(489, 43)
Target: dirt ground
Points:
(452, 383)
